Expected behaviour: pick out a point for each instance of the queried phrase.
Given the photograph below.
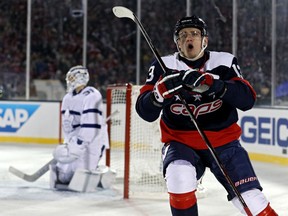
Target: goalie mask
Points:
(76, 76)
(190, 22)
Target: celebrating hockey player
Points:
(212, 85)
(85, 137)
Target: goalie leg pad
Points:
(60, 175)
(53, 175)
(84, 181)
(108, 176)
(65, 172)
(255, 200)
(87, 181)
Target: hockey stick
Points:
(122, 12)
(33, 177)
(112, 114)
(40, 172)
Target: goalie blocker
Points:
(84, 180)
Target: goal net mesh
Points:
(135, 146)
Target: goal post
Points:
(135, 146)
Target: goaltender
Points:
(85, 138)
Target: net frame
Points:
(139, 166)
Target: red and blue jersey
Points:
(217, 117)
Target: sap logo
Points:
(14, 116)
(265, 130)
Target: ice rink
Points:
(21, 198)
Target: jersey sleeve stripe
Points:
(93, 111)
(90, 126)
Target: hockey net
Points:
(135, 146)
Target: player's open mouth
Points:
(190, 46)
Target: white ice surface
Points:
(21, 198)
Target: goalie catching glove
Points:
(167, 86)
(206, 83)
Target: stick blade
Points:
(19, 174)
(33, 177)
(123, 12)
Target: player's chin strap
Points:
(199, 54)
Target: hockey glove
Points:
(167, 86)
(208, 85)
(192, 79)
(205, 83)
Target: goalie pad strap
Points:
(183, 201)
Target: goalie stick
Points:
(123, 12)
(40, 172)
(33, 177)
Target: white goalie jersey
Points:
(85, 133)
(82, 117)
(85, 136)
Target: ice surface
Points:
(21, 198)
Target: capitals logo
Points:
(14, 116)
(180, 109)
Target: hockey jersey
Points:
(86, 109)
(217, 117)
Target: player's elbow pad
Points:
(242, 100)
(146, 110)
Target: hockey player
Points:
(212, 85)
(85, 137)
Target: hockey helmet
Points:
(76, 76)
(190, 22)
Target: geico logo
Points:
(265, 130)
(14, 116)
(179, 109)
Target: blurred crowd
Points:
(57, 40)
